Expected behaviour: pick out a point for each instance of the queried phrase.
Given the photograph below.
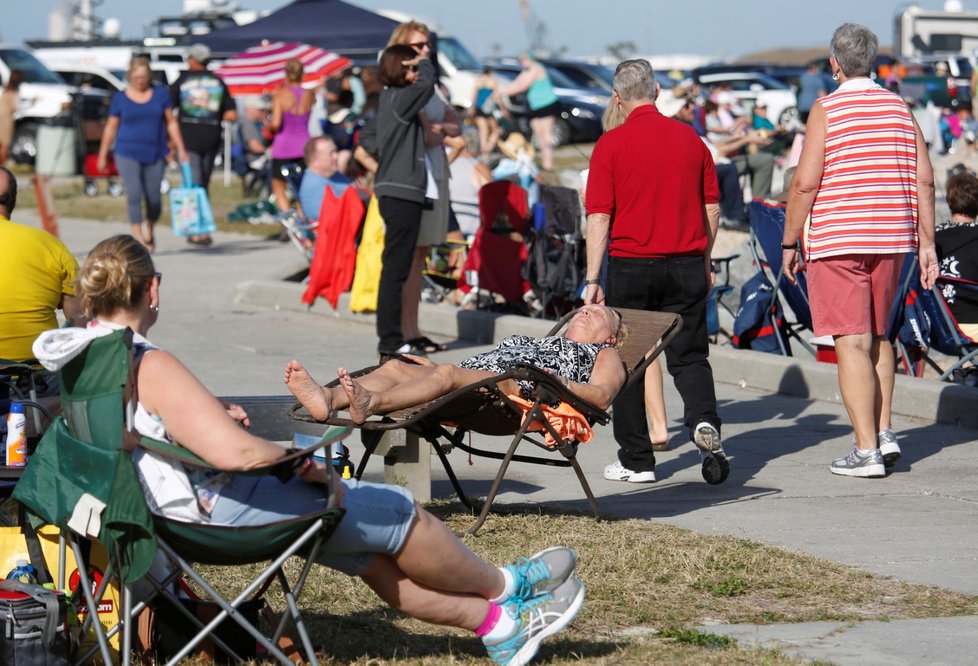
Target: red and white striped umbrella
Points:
(262, 68)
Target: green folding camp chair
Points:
(82, 479)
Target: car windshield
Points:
(580, 76)
(561, 80)
(458, 54)
(32, 68)
(745, 83)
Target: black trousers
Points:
(402, 219)
(672, 284)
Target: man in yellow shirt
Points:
(37, 274)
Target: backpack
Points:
(753, 328)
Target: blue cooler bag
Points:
(190, 210)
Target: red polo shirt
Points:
(653, 176)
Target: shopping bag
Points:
(190, 209)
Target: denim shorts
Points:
(377, 520)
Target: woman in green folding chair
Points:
(384, 537)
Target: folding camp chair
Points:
(484, 408)
(766, 234)
(555, 267)
(494, 262)
(82, 479)
(714, 300)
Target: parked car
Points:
(91, 77)
(580, 108)
(945, 79)
(752, 87)
(597, 77)
(44, 98)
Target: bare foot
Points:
(359, 397)
(307, 391)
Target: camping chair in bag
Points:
(714, 300)
(766, 234)
(483, 408)
(82, 479)
(494, 262)
(555, 267)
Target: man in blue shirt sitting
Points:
(321, 172)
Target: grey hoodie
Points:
(395, 137)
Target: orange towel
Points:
(334, 258)
(567, 421)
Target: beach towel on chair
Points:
(366, 278)
(335, 256)
(567, 421)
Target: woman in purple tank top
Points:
(291, 106)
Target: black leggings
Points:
(402, 220)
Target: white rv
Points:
(919, 32)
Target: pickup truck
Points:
(942, 79)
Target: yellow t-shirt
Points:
(35, 270)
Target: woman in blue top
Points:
(140, 117)
(542, 100)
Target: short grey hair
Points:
(634, 80)
(855, 48)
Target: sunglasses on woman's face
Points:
(417, 46)
(411, 68)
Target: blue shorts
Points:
(377, 520)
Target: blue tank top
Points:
(541, 93)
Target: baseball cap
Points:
(199, 52)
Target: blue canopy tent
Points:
(329, 24)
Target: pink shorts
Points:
(853, 293)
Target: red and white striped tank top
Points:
(867, 201)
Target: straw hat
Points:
(515, 144)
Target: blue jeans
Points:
(671, 284)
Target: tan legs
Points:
(863, 389)
(450, 589)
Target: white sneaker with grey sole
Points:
(889, 448)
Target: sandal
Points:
(428, 345)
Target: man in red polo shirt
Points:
(653, 204)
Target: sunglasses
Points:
(159, 278)
(411, 68)
(417, 46)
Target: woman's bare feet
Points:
(307, 391)
(360, 409)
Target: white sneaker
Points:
(618, 472)
(889, 448)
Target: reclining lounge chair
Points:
(483, 408)
(82, 479)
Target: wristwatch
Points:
(594, 281)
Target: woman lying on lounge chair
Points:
(384, 537)
(585, 359)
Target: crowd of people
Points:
(663, 179)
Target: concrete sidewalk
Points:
(226, 313)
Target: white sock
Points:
(509, 586)
(505, 627)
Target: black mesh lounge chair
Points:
(485, 409)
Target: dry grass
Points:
(70, 201)
(648, 585)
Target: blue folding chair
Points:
(766, 234)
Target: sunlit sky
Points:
(720, 28)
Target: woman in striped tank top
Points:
(866, 180)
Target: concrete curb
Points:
(924, 399)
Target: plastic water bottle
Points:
(341, 460)
(16, 445)
(23, 572)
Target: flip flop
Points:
(427, 344)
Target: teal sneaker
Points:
(536, 619)
(542, 572)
